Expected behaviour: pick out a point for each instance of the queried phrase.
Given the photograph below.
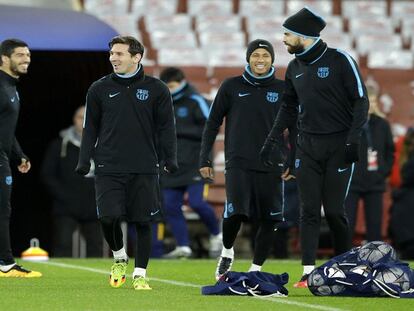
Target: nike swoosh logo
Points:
(113, 95)
(13, 99)
(340, 170)
(299, 75)
(154, 213)
(274, 214)
(243, 94)
(263, 45)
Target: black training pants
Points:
(6, 181)
(323, 180)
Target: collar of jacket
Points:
(250, 78)
(139, 76)
(186, 90)
(180, 92)
(313, 53)
(8, 78)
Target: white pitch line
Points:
(280, 300)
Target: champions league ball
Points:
(361, 270)
(334, 272)
(318, 284)
(376, 251)
(395, 276)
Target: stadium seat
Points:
(334, 24)
(172, 23)
(218, 23)
(125, 24)
(352, 8)
(225, 57)
(210, 7)
(402, 11)
(261, 8)
(339, 40)
(368, 25)
(165, 39)
(271, 25)
(181, 57)
(323, 7)
(106, 7)
(391, 59)
(371, 42)
(154, 7)
(223, 40)
(407, 32)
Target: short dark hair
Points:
(172, 74)
(135, 47)
(7, 47)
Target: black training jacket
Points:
(378, 136)
(191, 112)
(325, 87)
(126, 120)
(249, 106)
(9, 113)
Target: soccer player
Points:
(191, 111)
(129, 115)
(325, 89)
(14, 62)
(249, 103)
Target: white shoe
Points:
(179, 252)
(216, 244)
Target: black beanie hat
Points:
(260, 44)
(305, 23)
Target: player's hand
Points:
(83, 169)
(170, 167)
(207, 172)
(288, 175)
(351, 153)
(24, 166)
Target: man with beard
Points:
(14, 62)
(325, 92)
(249, 103)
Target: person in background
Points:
(191, 111)
(402, 212)
(73, 196)
(14, 62)
(376, 157)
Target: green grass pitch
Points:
(82, 284)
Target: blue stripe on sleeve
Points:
(360, 89)
(205, 109)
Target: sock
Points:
(231, 227)
(143, 244)
(6, 268)
(263, 241)
(121, 254)
(227, 252)
(254, 267)
(139, 272)
(308, 269)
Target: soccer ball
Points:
(395, 276)
(318, 286)
(335, 272)
(376, 251)
(361, 270)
